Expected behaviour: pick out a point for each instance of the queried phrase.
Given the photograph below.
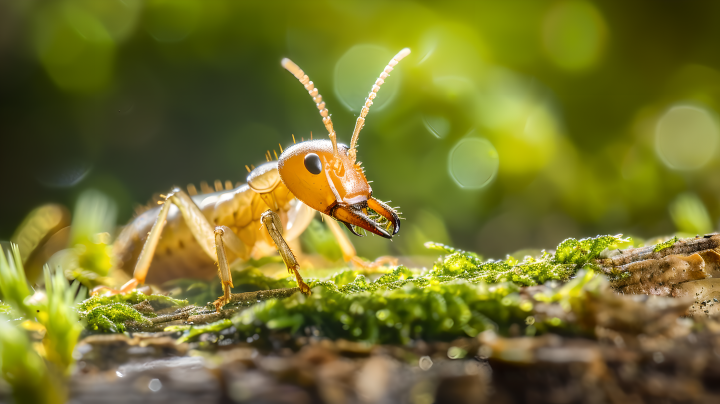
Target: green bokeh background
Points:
(132, 97)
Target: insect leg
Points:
(201, 230)
(224, 236)
(346, 246)
(274, 227)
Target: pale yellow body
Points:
(178, 253)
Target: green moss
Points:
(112, 317)
(250, 279)
(435, 311)
(665, 244)
(191, 332)
(460, 296)
(580, 252)
(134, 297)
(110, 313)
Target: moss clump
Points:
(134, 297)
(460, 296)
(665, 244)
(111, 313)
(112, 317)
(570, 255)
(436, 311)
(580, 252)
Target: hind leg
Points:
(213, 241)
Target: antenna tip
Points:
(289, 64)
(402, 54)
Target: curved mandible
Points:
(369, 100)
(299, 74)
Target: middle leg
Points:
(274, 227)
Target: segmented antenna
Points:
(369, 100)
(310, 87)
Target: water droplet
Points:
(155, 385)
(425, 363)
(473, 162)
(686, 137)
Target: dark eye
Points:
(312, 163)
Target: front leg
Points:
(274, 227)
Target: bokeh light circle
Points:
(573, 34)
(356, 72)
(473, 162)
(686, 137)
(438, 125)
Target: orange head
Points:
(325, 176)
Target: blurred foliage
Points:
(88, 257)
(598, 114)
(35, 370)
(23, 368)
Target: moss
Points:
(580, 252)
(460, 296)
(436, 311)
(665, 244)
(192, 331)
(111, 313)
(250, 279)
(112, 317)
(134, 297)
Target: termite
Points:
(187, 234)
